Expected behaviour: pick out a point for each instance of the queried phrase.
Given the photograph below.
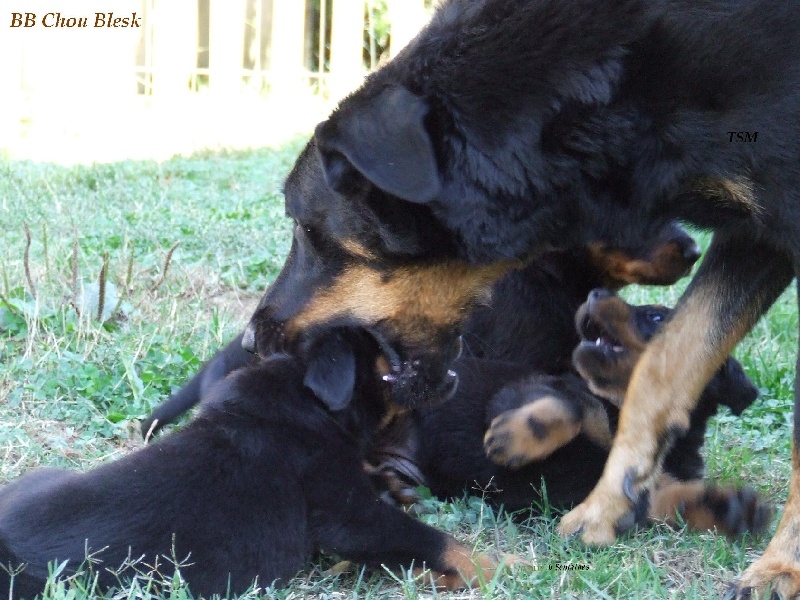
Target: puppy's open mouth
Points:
(411, 379)
(593, 332)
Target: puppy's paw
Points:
(466, 569)
(777, 573)
(532, 432)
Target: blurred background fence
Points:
(195, 73)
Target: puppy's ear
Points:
(383, 139)
(731, 387)
(331, 371)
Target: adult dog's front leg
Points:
(738, 280)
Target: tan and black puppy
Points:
(554, 410)
(268, 473)
(613, 336)
(553, 432)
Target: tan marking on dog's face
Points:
(415, 301)
(605, 376)
(358, 250)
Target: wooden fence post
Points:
(174, 46)
(225, 46)
(287, 47)
(407, 18)
(12, 53)
(347, 47)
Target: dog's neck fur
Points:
(614, 118)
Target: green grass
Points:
(73, 387)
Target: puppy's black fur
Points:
(227, 360)
(270, 471)
(448, 439)
(549, 435)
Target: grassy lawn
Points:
(73, 387)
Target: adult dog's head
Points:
(476, 148)
(363, 257)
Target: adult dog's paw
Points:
(599, 519)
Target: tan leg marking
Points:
(657, 400)
(532, 432)
(466, 569)
(595, 424)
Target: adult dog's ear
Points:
(331, 371)
(383, 139)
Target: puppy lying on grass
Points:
(510, 436)
(269, 472)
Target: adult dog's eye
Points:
(312, 234)
(655, 317)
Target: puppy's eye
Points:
(655, 317)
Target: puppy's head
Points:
(614, 334)
(347, 365)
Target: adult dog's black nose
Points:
(249, 339)
(691, 251)
(599, 294)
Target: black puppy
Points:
(550, 434)
(270, 471)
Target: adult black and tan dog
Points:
(508, 127)
(529, 319)
(269, 472)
